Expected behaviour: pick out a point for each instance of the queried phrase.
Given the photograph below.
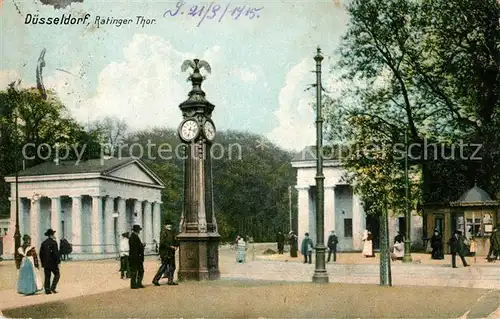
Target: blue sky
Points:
(260, 66)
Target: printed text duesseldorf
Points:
(63, 19)
(98, 21)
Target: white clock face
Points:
(209, 130)
(189, 130)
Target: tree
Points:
(44, 123)
(112, 132)
(430, 69)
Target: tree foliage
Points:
(43, 125)
(250, 183)
(429, 69)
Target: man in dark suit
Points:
(332, 246)
(136, 258)
(50, 258)
(280, 239)
(168, 245)
(457, 246)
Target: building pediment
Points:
(134, 171)
(125, 170)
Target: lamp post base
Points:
(320, 275)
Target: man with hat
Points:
(50, 258)
(168, 245)
(136, 258)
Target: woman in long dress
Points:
(29, 281)
(240, 250)
(367, 244)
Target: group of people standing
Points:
(29, 282)
(132, 256)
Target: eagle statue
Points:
(196, 65)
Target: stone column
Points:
(156, 221)
(56, 216)
(329, 211)
(8, 241)
(358, 222)
(303, 212)
(148, 225)
(109, 230)
(122, 217)
(36, 234)
(138, 219)
(96, 224)
(76, 223)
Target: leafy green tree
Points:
(431, 69)
(250, 183)
(428, 68)
(39, 122)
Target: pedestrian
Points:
(136, 258)
(124, 256)
(367, 244)
(437, 245)
(306, 248)
(332, 246)
(65, 248)
(29, 281)
(167, 248)
(280, 239)
(457, 246)
(398, 250)
(241, 248)
(163, 256)
(494, 251)
(155, 245)
(294, 244)
(399, 238)
(50, 258)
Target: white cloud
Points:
(249, 75)
(295, 115)
(144, 89)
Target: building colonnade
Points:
(92, 224)
(343, 213)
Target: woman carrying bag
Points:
(29, 281)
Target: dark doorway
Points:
(402, 226)
(438, 224)
(373, 225)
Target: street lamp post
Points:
(17, 233)
(320, 274)
(407, 257)
(290, 206)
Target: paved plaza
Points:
(266, 275)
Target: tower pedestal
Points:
(198, 256)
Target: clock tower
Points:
(199, 236)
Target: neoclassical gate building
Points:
(90, 203)
(343, 209)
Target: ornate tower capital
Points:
(196, 102)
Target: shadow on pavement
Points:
(237, 299)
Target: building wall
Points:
(346, 206)
(416, 233)
(343, 211)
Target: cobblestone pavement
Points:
(81, 278)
